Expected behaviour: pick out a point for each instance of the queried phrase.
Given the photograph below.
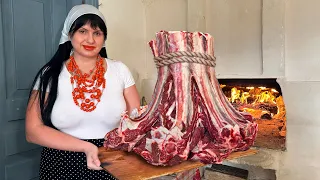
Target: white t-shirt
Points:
(70, 119)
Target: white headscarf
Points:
(74, 14)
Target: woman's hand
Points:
(93, 161)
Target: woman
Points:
(76, 98)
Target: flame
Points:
(235, 94)
(249, 99)
(266, 97)
(256, 113)
(260, 94)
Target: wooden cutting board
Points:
(130, 166)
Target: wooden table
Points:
(130, 166)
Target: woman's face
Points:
(87, 41)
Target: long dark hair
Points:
(48, 75)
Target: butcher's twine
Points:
(185, 56)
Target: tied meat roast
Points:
(189, 117)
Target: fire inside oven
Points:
(262, 98)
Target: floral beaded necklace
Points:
(87, 92)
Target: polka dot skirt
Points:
(66, 165)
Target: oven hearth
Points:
(262, 98)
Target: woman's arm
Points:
(38, 133)
(132, 98)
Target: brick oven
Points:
(254, 39)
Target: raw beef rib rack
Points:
(189, 117)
